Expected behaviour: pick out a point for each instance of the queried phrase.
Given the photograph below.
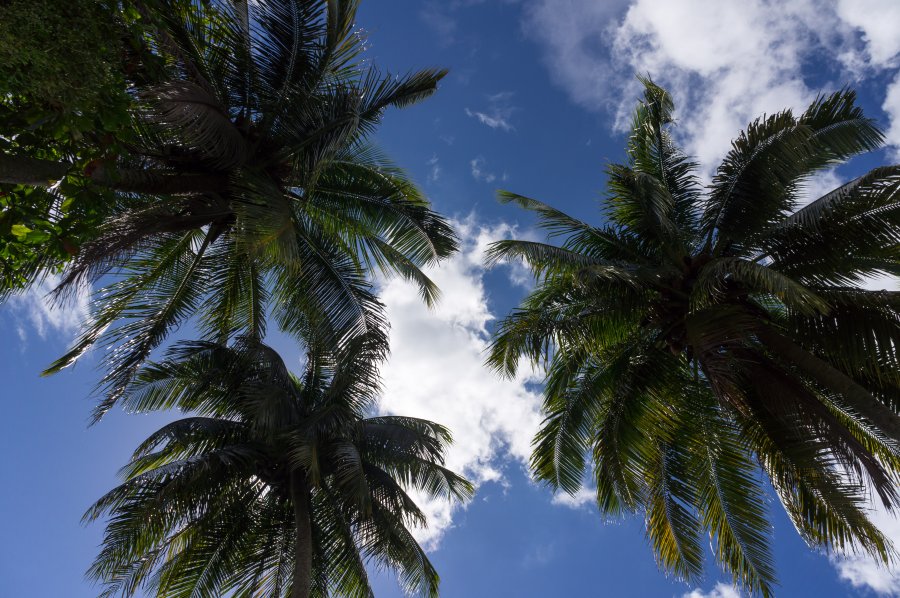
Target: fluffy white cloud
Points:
(436, 370)
(35, 310)
(721, 590)
(725, 62)
(862, 571)
(877, 20)
(892, 107)
(583, 498)
(721, 75)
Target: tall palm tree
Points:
(697, 337)
(251, 190)
(275, 485)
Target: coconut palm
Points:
(251, 190)
(274, 485)
(699, 337)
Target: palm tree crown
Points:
(250, 189)
(698, 336)
(275, 485)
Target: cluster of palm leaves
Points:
(274, 484)
(701, 337)
(248, 191)
(251, 190)
(705, 348)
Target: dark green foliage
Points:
(66, 70)
(249, 188)
(65, 56)
(699, 339)
(210, 504)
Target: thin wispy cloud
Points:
(434, 169)
(438, 18)
(498, 112)
(481, 173)
(34, 311)
(539, 555)
(442, 17)
(478, 171)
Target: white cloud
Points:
(862, 571)
(34, 310)
(480, 174)
(583, 498)
(726, 62)
(721, 590)
(436, 370)
(498, 113)
(434, 171)
(878, 21)
(892, 107)
(882, 282)
(721, 76)
(818, 186)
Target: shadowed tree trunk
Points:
(25, 170)
(155, 182)
(302, 582)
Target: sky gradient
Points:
(536, 101)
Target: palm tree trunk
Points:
(25, 170)
(302, 583)
(855, 396)
(157, 182)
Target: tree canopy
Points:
(248, 187)
(273, 484)
(700, 336)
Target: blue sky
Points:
(534, 103)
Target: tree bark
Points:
(25, 170)
(156, 182)
(302, 582)
(855, 396)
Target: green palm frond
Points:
(214, 503)
(672, 526)
(732, 507)
(700, 343)
(250, 191)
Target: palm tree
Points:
(251, 190)
(697, 338)
(275, 485)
